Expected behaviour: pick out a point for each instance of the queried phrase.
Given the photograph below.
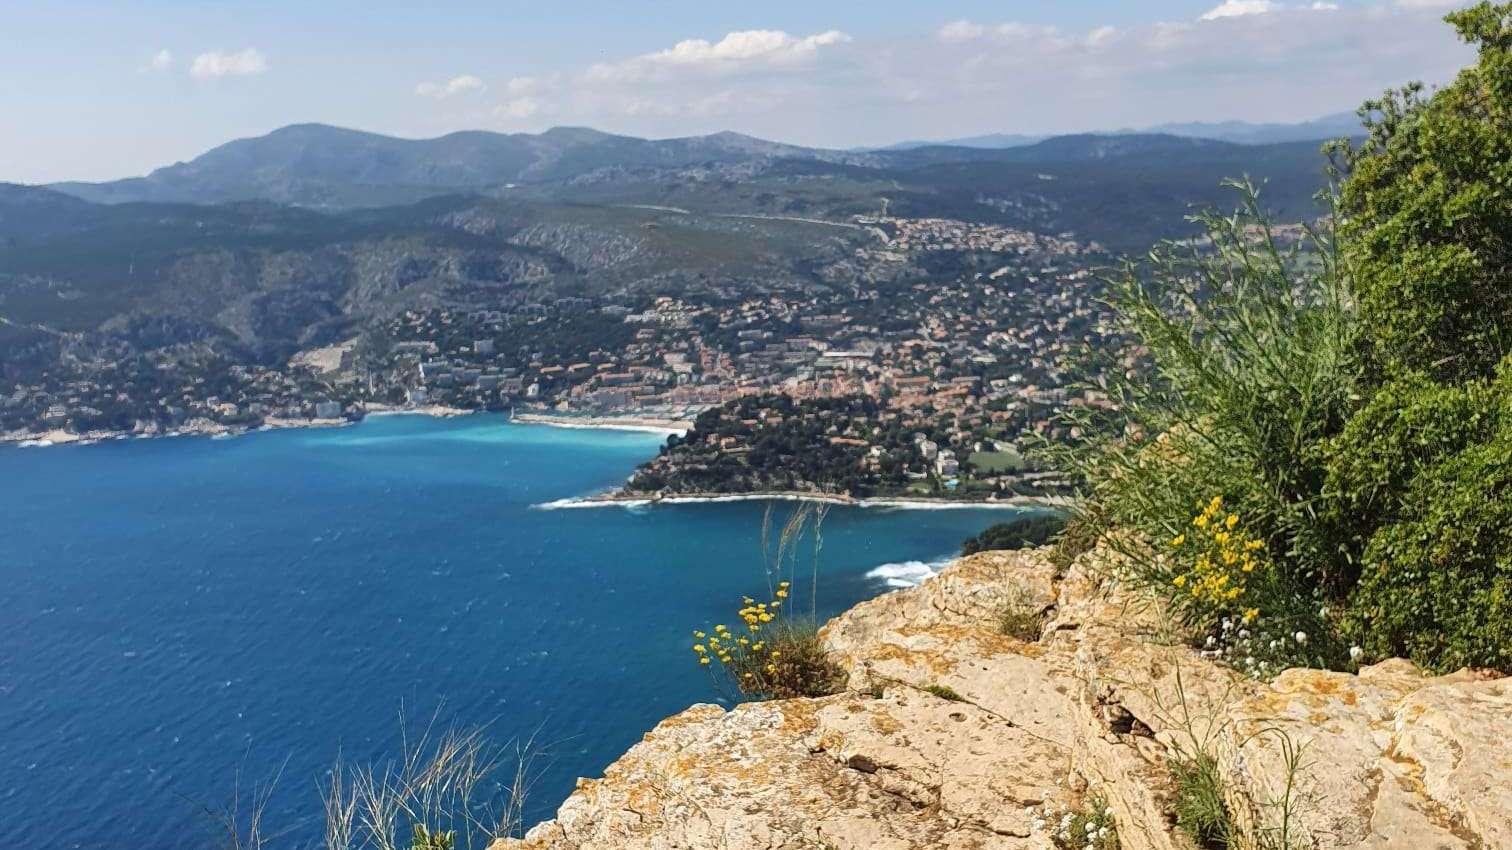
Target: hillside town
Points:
(972, 355)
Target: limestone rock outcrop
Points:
(1093, 709)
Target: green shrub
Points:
(1437, 586)
(1409, 425)
(1021, 532)
(1428, 213)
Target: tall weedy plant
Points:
(1237, 366)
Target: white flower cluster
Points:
(1091, 828)
(1259, 650)
(1253, 647)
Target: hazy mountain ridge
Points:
(321, 165)
(331, 167)
(1239, 132)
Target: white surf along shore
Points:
(908, 573)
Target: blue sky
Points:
(97, 90)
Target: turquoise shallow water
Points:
(175, 613)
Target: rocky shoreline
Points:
(624, 498)
(210, 428)
(953, 735)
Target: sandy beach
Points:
(648, 424)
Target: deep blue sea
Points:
(180, 615)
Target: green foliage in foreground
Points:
(1021, 532)
(1343, 407)
(1249, 372)
(1428, 213)
(1437, 579)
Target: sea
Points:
(190, 626)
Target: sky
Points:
(96, 90)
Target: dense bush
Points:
(1409, 425)
(1428, 213)
(1438, 587)
(1425, 475)
(1021, 532)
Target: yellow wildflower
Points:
(699, 648)
(1233, 520)
(1178, 540)
(704, 660)
(1251, 614)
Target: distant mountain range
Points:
(311, 233)
(321, 166)
(1342, 124)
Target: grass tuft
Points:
(1020, 618)
(945, 692)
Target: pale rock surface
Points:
(1391, 758)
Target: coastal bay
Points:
(347, 574)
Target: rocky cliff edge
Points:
(1094, 708)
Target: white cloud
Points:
(161, 61)
(465, 84)
(746, 46)
(516, 109)
(520, 86)
(1102, 36)
(1239, 8)
(961, 31)
(217, 63)
(969, 77)
(745, 50)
